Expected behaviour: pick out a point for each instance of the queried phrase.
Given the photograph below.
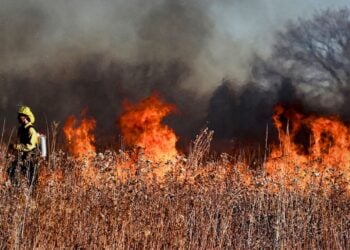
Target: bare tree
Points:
(313, 53)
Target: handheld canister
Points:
(43, 146)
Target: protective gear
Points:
(27, 149)
(27, 165)
(25, 110)
(28, 138)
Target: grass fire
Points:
(119, 196)
(80, 137)
(141, 126)
(165, 127)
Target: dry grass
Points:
(201, 204)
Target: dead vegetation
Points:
(197, 203)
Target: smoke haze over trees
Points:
(315, 56)
(309, 66)
(62, 57)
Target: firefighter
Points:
(27, 149)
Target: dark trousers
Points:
(26, 165)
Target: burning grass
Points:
(118, 200)
(152, 197)
(141, 125)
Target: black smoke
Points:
(245, 114)
(59, 69)
(62, 57)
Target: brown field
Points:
(199, 202)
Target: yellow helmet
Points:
(24, 110)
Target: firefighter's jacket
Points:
(28, 138)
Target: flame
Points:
(80, 136)
(313, 149)
(81, 144)
(141, 125)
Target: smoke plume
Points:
(60, 57)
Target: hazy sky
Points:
(222, 34)
(257, 19)
(250, 25)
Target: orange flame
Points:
(312, 148)
(80, 136)
(141, 126)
